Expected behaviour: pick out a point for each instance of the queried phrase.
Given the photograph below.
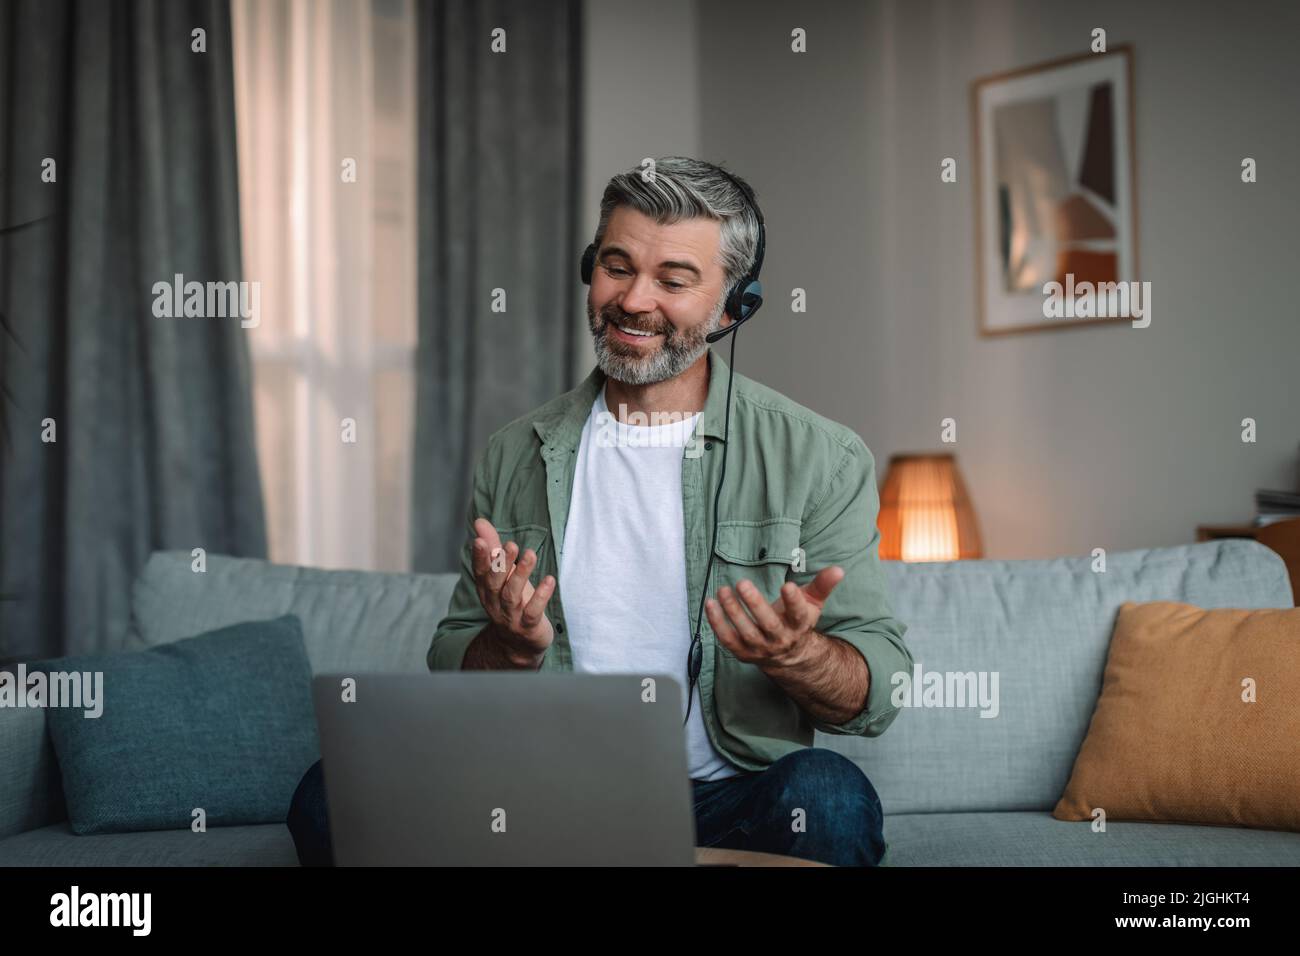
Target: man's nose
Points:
(640, 296)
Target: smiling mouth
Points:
(634, 333)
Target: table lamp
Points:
(925, 513)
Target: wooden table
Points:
(715, 856)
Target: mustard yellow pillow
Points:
(1198, 720)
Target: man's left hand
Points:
(778, 634)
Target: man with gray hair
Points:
(610, 489)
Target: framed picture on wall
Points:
(1055, 194)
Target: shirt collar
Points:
(560, 425)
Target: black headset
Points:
(743, 299)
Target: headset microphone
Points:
(743, 299)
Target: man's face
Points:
(664, 280)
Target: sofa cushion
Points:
(1030, 838)
(30, 793)
(223, 721)
(267, 844)
(351, 620)
(1043, 628)
(1198, 720)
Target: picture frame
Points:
(1055, 175)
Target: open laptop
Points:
(505, 769)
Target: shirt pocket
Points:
(762, 552)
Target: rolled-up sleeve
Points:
(842, 530)
(465, 616)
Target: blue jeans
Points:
(309, 819)
(813, 803)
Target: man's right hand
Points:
(516, 609)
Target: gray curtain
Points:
(500, 164)
(153, 416)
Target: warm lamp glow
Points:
(925, 513)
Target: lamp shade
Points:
(925, 513)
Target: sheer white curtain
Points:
(323, 88)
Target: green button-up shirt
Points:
(800, 495)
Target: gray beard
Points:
(678, 352)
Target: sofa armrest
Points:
(31, 791)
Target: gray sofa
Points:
(958, 789)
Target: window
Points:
(326, 118)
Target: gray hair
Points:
(685, 188)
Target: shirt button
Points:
(708, 446)
(559, 627)
(762, 552)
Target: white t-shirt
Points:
(623, 571)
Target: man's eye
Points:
(616, 271)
